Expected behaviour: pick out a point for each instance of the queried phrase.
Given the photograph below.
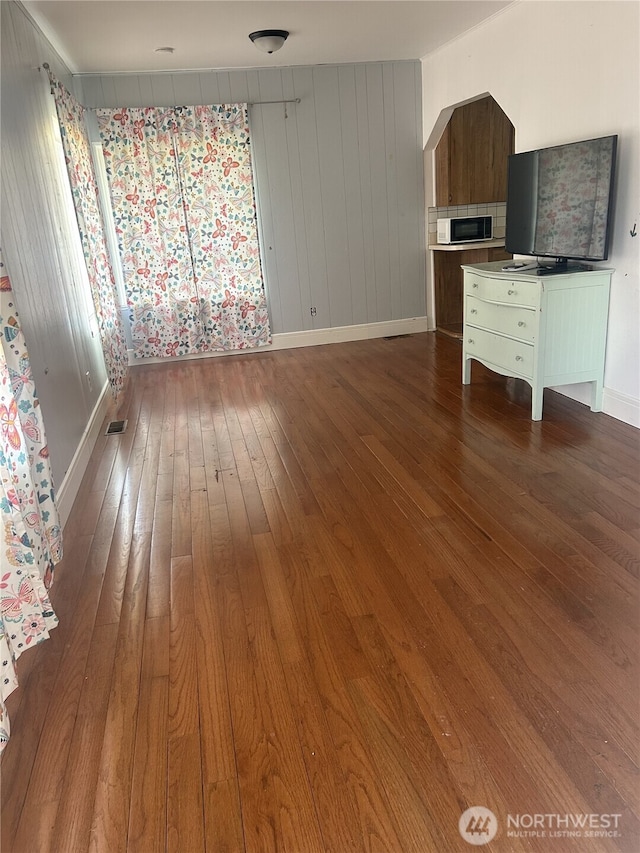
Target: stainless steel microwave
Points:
(465, 229)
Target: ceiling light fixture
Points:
(269, 40)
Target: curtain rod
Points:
(45, 65)
(260, 103)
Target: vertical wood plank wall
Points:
(40, 241)
(340, 186)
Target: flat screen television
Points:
(560, 202)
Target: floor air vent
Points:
(116, 427)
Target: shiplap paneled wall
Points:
(339, 181)
(41, 245)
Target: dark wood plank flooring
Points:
(327, 599)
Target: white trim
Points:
(70, 486)
(310, 338)
(616, 405)
(621, 407)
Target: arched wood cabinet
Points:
(471, 157)
(470, 168)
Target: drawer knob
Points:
(521, 323)
(511, 292)
(518, 358)
(474, 311)
(475, 284)
(470, 341)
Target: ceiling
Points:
(111, 36)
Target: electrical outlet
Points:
(314, 311)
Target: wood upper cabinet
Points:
(471, 157)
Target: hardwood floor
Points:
(327, 599)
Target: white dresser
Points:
(548, 330)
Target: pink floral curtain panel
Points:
(31, 541)
(181, 184)
(75, 141)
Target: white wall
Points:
(564, 71)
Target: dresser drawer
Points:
(503, 290)
(513, 320)
(513, 356)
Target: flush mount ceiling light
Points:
(269, 40)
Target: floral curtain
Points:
(181, 185)
(31, 542)
(77, 150)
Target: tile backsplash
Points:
(496, 209)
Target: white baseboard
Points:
(342, 334)
(621, 407)
(68, 490)
(616, 405)
(312, 337)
